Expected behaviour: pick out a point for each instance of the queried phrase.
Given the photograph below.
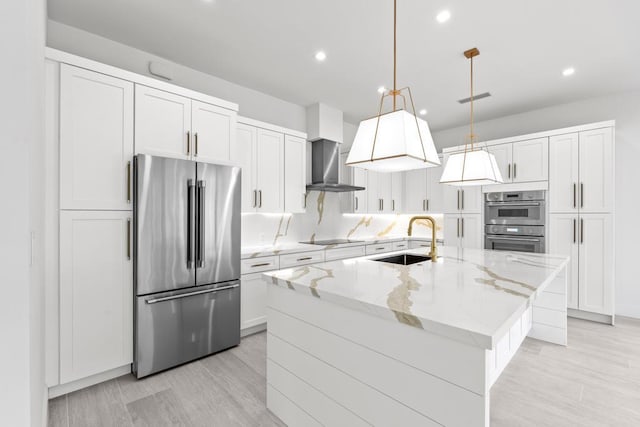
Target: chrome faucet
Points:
(434, 251)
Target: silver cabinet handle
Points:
(356, 202)
(462, 198)
(200, 233)
(255, 198)
(462, 228)
(188, 143)
(424, 204)
(581, 230)
(582, 195)
(195, 137)
(575, 226)
(574, 195)
(128, 182)
(190, 222)
(380, 249)
(304, 200)
(515, 173)
(458, 200)
(427, 204)
(458, 227)
(393, 204)
(307, 258)
(190, 294)
(128, 238)
(259, 202)
(509, 170)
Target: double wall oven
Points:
(515, 221)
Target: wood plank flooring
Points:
(593, 382)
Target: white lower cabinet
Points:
(96, 293)
(253, 300)
(464, 231)
(588, 240)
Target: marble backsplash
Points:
(325, 220)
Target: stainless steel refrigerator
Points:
(186, 261)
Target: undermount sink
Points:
(404, 259)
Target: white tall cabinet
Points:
(295, 173)
(423, 192)
(581, 200)
(522, 161)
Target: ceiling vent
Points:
(475, 98)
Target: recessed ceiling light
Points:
(423, 112)
(321, 56)
(381, 89)
(568, 71)
(443, 16)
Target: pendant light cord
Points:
(471, 135)
(394, 52)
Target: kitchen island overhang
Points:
(365, 342)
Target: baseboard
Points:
(253, 330)
(72, 386)
(594, 317)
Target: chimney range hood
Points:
(325, 162)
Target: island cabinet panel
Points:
(253, 301)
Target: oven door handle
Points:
(518, 239)
(532, 204)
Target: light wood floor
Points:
(593, 382)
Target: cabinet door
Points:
(243, 154)
(96, 140)
(563, 240)
(295, 174)
(374, 205)
(96, 293)
(451, 198)
(435, 195)
(531, 160)
(213, 130)
(595, 292)
(471, 199)
(385, 187)
(253, 300)
(596, 170)
(270, 171)
(360, 198)
(397, 192)
(504, 157)
(415, 191)
(563, 173)
(451, 230)
(471, 231)
(162, 123)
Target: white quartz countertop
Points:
(289, 248)
(469, 294)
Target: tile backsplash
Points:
(324, 220)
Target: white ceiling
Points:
(270, 45)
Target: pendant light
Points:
(474, 166)
(397, 140)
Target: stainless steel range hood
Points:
(325, 163)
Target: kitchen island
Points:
(365, 342)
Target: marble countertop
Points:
(472, 295)
(289, 248)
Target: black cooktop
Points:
(332, 242)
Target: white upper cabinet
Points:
(416, 191)
(434, 202)
(243, 154)
(596, 170)
(96, 140)
(581, 172)
(385, 190)
(96, 293)
(466, 199)
(504, 157)
(530, 160)
(213, 130)
(359, 197)
(295, 174)
(397, 192)
(162, 123)
(270, 171)
(374, 205)
(563, 173)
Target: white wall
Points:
(625, 110)
(253, 104)
(22, 389)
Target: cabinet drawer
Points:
(379, 248)
(344, 253)
(294, 260)
(256, 265)
(417, 244)
(399, 246)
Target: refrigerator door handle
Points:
(200, 232)
(190, 294)
(190, 222)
